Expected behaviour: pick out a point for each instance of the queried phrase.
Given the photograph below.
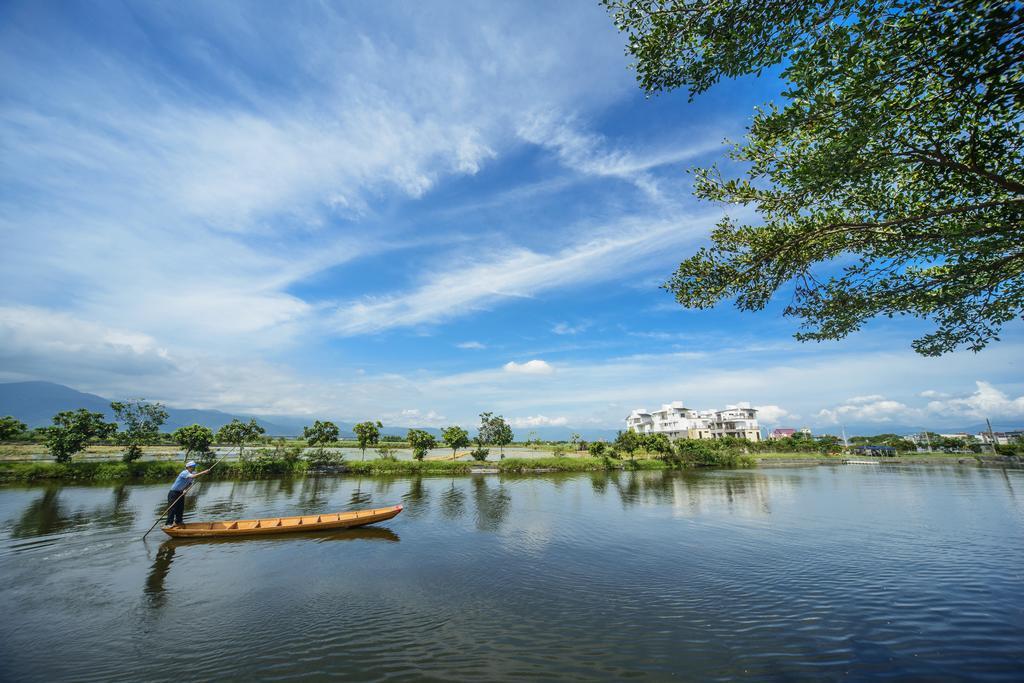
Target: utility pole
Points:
(991, 436)
(928, 441)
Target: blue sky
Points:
(411, 212)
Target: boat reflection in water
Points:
(156, 591)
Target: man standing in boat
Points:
(176, 496)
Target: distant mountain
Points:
(35, 404)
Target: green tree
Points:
(142, 422)
(421, 442)
(195, 439)
(11, 427)
(597, 449)
(494, 430)
(627, 442)
(72, 429)
(238, 433)
(890, 178)
(456, 437)
(368, 434)
(657, 445)
(319, 435)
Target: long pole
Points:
(164, 513)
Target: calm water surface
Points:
(815, 573)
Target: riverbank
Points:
(267, 468)
(260, 468)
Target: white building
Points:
(679, 422)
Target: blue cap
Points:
(190, 463)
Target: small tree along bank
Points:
(73, 429)
(367, 434)
(238, 434)
(456, 437)
(142, 422)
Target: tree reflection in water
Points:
(47, 514)
(453, 502)
(629, 491)
(416, 500)
(360, 499)
(315, 492)
(599, 482)
(492, 505)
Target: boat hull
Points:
(282, 525)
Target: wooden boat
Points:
(282, 525)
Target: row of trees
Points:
(493, 430)
(137, 425)
(72, 430)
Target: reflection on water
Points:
(417, 499)
(492, 503)
(453, 502)
(49, 514)
(154, 589)
(789, 574)
(360, 499)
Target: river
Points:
(811, 573)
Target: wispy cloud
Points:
(518, 273)
(566, 328)
(539, 421)
(471, 345)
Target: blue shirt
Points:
(183, 481)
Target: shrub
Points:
(480, 453)
(387, 453)
(321, 457)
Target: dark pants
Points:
(176, 513)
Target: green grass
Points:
(797, 455)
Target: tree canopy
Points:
(321, 433)
(239, 433)
(72, 429)
(195, 439)
(456, 437)
(11, 427)
(421, 442)
(142, 422)
(889, 179)
(368, 434)
(494, 430)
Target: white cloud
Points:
(771, 414)
(471, 345)
(986, 401)
(566, 328)
(871, 398)
(539, 421)
(931, 393)
(870, 409)
(530, 367)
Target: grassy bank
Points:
(264, 468)
(268, 468)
